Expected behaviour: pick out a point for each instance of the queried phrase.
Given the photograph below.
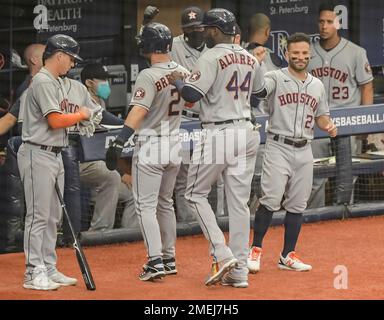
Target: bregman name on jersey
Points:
(164, 82)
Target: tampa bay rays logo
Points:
(279, 42)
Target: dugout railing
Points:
(341, 203)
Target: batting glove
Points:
(113, 153)
(150, 13)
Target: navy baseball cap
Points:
(191, 16)
(95, 71)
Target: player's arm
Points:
(322, 118)
(364, 77)
(131, 124)
(188, 93)
(7, 122)
(195, 86)
(325, 123)
(366, 93)
(150, 12)
(57, 120)
(142, 99)
(262, 88)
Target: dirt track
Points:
(357, 244)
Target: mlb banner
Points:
(349, 120)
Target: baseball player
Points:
(40, 164)
(223, 79)
(95, 174)
(259, 32)
(186, 49)
(344, 69)
(295, 102)
(10, 118)
(156, 116)
(33, 54)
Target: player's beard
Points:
(295, 67)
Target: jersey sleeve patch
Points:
(368, 68)
(139, 94)
(195, 76)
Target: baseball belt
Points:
(190, 114)
(295, 143)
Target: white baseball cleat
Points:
(254, 258)
(38, 280)
(62, 279)
(293, 262)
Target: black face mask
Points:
(209, 41)
(195, 39)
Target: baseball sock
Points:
(292, 226)
(263, 218)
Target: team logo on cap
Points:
(368, 68)
(195, 76)
(139, 94)
(192, 15)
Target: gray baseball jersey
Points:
(41, 167)
(154, 172)
(292, 104)
(342, 70)
(258, 106)
(186, 56)
(77, 95)
(153, 92)
(226, 75)
(287, 170)
(44, 96)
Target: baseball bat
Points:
(81, 259)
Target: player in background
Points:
(33, 54)
(95, 77)
(344, 69)
(44, 134)
(105, 184)
(295, 101)
(186, 49)
(259, 29)
(223, 79)
(156, 117)
(259, 33)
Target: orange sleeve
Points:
(59, 120)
